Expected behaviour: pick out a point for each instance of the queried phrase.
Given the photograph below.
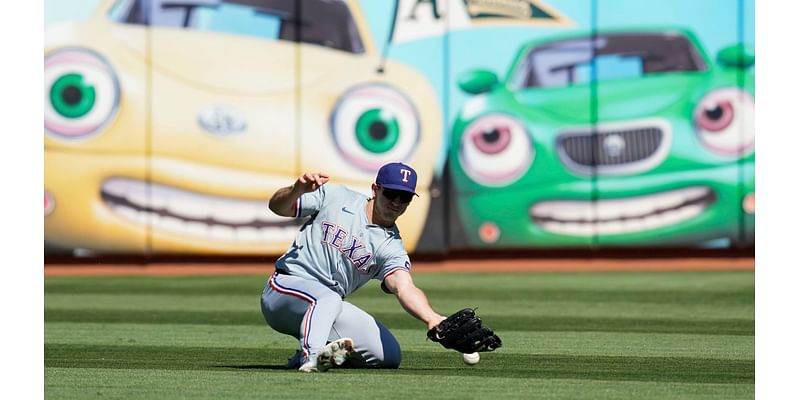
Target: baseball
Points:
(471, 358)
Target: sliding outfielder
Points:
(348, 240)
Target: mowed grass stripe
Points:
(737, 281)
(520, 342)
(656, 369)
(186, 285)
(665, 297)
(403, 321)
(91, 383)
(388, 304)
(591, 296)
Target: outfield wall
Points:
(552, 125)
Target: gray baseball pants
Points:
(315, 315)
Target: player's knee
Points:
(392, 355)
(332, 302)
(391, 348)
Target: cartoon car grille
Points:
(614, 149)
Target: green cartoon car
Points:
(618, 139)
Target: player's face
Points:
(390, 203)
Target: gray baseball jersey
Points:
(338, 246)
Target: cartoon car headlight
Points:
(374, 124)
(723, 120)
(81, 93)
(496, 150)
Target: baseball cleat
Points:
(309, 366)
(296, 360)
(334, 353)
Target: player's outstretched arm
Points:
(283, 201)
(412, 298)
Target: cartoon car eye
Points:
(496, 150)
(374, 124)
(724, 122)
(81, 93)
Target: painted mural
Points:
(533, 124)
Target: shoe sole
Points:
(308, 368)
(334, 353)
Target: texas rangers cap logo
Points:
(406, 173)
(397, 176)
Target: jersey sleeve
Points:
(311, 202)
(397, 262)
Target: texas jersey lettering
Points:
(335, 236)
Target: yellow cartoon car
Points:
(169, 124)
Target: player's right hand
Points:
(311, 181)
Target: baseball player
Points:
(349, 239)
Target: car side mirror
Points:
(477, 81)
(737, 56)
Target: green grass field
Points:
(619, 335)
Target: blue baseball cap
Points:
(397, 176)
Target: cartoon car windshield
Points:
(323, 23)
(569, 62)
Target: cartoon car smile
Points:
(169, 124)
(621, 138)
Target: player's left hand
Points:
(464, 332)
